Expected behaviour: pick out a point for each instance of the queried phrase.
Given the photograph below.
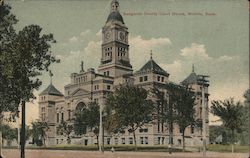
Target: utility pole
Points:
(18, 129)
(100, 130)
(1, 155)
(202, 80)
(170, 122)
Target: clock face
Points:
(107, 35)
(122, 36)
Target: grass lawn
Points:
(228, 148)
(158, 148)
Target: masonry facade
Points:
(115, 69)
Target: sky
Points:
(212, 35)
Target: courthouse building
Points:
(93, 85)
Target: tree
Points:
(23, 57)
(183, 101)
(230, 114)
(9, 134)
(38, 132)
(66, 128)
(246, 124)
(164, 109)
(132, 109)
(88, 118)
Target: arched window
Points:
(80, 107)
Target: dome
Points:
(115, 16)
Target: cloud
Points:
(195, 50)
(226, 58)
(84, 33)
(140, 49)
(92, 53)
(149, 43)
(174, 69)
(99, 34)
(73, 39)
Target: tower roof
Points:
(114, 13)
(51, 90)
(152, 66)
(115, 16)
(191, 79)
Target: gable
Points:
(80, 92)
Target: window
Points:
(108, 141)
(96, 100)
(159, 140)
(130, 140)
(146, 140)
(162, 140)
(143, 130)
(43, 109)
(123, 140)
(158, 78)
(122, 132)
(57, 141)
(162, 79)
(62, 117)
(43, 117)
(192, 129)
(141, 140)
(107, 73)
(141, 79)
(181, 130)
(69, 114)
(57, 117)
(179, 141)
(116, 141)
(104, 73)
(145, 78)
(96, 87)
(108, 87)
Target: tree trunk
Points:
(68, 140)
(232, 141)
(97, 138)
(23, 139)
(183, 140)
(134, 139)
(170, 128)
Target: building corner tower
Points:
(115, 49)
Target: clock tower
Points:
(115, 49)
